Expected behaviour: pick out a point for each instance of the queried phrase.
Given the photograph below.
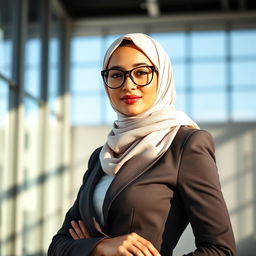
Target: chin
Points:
(132, 112)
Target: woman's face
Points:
(131, 99)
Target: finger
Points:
(84, 229)
(139, 249)
(146, 244)
(73, 234)
(77, 229)
(134, 246)
(134, 249)
(122, 251)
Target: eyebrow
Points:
(134, 65)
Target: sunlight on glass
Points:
(180, 103)
(173, 43)
(86, 79)
(31, 112)
(179, 74)
(209, 107)
(86, 49)
(110, 115)
(54, 72)
(53, 91)
(209, 74)
(33, 52)
(244, 106)
(5, 56)
(86, 110)
(4, 95)
(32, 81)
(244, 73)
(243, 43)
(208, 44)
(54, 50)
(32, 66)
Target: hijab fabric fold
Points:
(149, 134)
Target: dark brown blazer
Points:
(156, 202)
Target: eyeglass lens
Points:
(140, 76)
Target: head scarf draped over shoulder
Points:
(147, 136)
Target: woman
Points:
(155, 173)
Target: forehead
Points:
(127, 56)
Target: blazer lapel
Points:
(129, 172)
(87, 206)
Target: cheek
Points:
(152, 92)
(113, 95)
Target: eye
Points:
(141, 72)
(115, 74)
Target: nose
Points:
(129, 84)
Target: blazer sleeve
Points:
(62, 243)
(200, 190)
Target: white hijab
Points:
(149, 134)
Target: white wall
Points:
(236, 160)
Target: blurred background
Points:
(54, 112)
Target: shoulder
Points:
(197, 156)
(191, 145)
(94, 157)
(190, 137)
(186, 133)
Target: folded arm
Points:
(200, 189)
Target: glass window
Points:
(86, 49)
(31, 206)
(243, 43)
(243, 73)
(209, 74)
(54, 50)
(180, 103)
(108, 40)
(6, 43)
(53, 82)
(244, 106)
(33, 52)
(54, 65)
(86, 78)
(110, 114)
(54, 191)
(86, 110)
(32, 66)
(173, 43)
(32, 80)
(179, 74)
(4, 96)
(208, 44)
(209, 107)
(5, 56)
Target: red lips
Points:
(130, 99)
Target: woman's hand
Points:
(78, 230)
(131, 244)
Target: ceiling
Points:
(82, 9)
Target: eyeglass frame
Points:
(125, 72)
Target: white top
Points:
(99, 195)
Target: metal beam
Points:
(153, 8)
(242, 4)
(176, 22)
(225, 5)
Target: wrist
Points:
(97, 251)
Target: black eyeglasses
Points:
(115, 78)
